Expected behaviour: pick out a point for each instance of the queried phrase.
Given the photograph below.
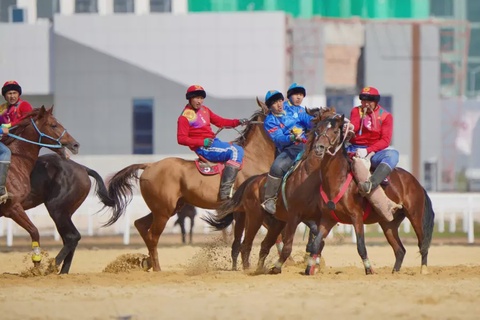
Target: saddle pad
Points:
(209, 169)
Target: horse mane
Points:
(24, 123)
(321, 116)
(242, 138)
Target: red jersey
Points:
(193, 126)
(14, 113)
(377, 129)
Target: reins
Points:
(41, 135)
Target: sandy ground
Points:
(196, 284)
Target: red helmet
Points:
(369, 94)
(11, 85)
(195, 91)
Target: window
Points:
(86, 6)
(17, 14)
(473, 10)
(123, 6)
(4, 9)
(142, 126)
(47, 8)
(160, 6)
(441, 8)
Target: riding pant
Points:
(221, 151)
(5, 153)
(285, 159)
(389, 156)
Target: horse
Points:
(349, 207)
(38, 129)
(301, 205)
(63, 185)
(168, 184)
(188, 211)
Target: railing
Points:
(450, 208)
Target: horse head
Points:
(41, 128)
(327, 135)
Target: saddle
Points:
(208, 168)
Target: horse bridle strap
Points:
(41, 135)
(331, 204)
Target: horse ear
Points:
(50, 110)
(262, 105)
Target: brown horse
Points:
(302, 204)
(63, 185)
(167, 184)
(352, 208)
(39, 129)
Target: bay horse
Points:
(63, 185)
(301, 202)
(187, 211)
(168, 184)
(351, 208)
(38, 129)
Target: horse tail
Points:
(427, 224)
(120, 190)
(100, 188)
(224, 216)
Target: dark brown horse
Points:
(39, 129)
(187, 211)
(167, 184)
(63, 185)
(300, 199)
(351, 208)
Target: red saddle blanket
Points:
(209, 168)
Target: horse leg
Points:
(17, 214)
(237, 237)
(251, 229)
(153, 234)
(274, 230)
(142, 225)
(390, 229)
(317, 245)
(288, 234)
(70, 238)
(182, 228)
(361, 247)
(192, 223)
(312, 233)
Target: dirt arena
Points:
(107, 283)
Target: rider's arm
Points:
(183, 138)
(355, 119)
(385, 135)
(222, 122)
(276, 133)
(305, 119)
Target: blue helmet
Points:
(296, 88)
(272, 96)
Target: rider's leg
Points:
(279, 167)
(230, 172)
(5, 155)
(384, 162)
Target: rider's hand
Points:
(243, 121)
(295, 138)
(4, 130)
(207, 143)
(361, 152)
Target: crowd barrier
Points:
(453, 212)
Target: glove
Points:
(207, 143)
(244, 121)
(361, 152)
(297, 131)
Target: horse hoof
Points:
(36, 264)
(369, 271)
(424, 270)
(310, 270)
(275, 270)
(146, 264)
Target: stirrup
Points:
(4, 197)
(265, 205)
(365, 187)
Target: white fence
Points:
(448, 207)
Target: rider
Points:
(295, 95)
(373, 127)
(194, 131)
(286, 125)
(11, 112)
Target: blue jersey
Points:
(279, 126)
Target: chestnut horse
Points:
(38, 129)
(63, 185)
(302, 203)
(168, 184)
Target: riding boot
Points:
(380, 173)
(4, 165)
(270, 197)
(228, 179)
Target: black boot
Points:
(4, 165)
(270, 198)
(228, 179)
(380, 173)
